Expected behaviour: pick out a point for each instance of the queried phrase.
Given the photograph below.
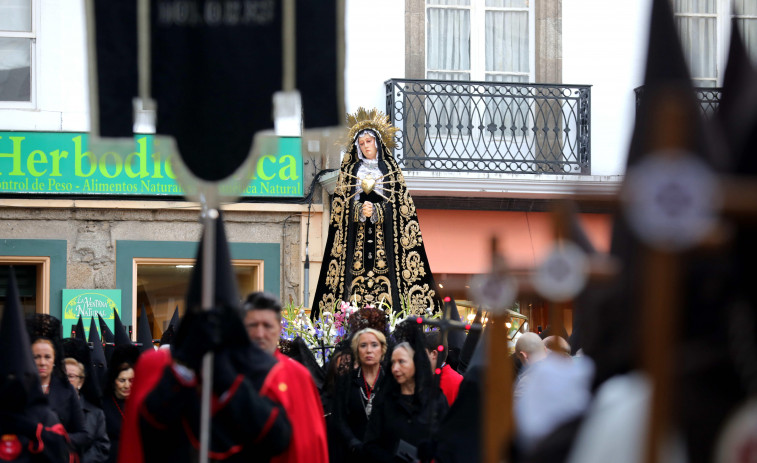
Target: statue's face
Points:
(367, 144)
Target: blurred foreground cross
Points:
(496, 292)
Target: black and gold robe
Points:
(374, 263)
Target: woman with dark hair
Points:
(44, 334)
(358, 393)
(412, 407)
(116, 392)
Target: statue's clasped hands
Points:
(367, 209)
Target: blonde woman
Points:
(94, 418)
(358, 394)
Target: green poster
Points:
(62, 163)
(88, 303)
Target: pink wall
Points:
(459, 241)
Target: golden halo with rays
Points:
(370, 119)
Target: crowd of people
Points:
(384, 397)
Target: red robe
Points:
(450, 383)
(149, 370)
(290, 384)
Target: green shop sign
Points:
(60, 163)
(88, 303)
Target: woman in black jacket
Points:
(44, 334)
(117, 391)
(409, 412)
(94, 417)
(358, 394)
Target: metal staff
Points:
(209, 217)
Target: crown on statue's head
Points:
(374, 120)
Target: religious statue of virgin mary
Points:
(374, 251)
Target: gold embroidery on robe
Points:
(387, 260)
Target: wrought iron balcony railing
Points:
(708, 98)
(499, 127)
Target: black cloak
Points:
(380, 260)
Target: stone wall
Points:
(91, 235)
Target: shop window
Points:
(160, 286)
(32, 276)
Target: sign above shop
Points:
(59, 163)
(88, 303)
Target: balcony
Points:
(491, 127)
(708, 98)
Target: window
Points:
(17, 40)
(704, 28)
(697, 22)
(256, 265)
(161, 286)
(489, 40)
(745, 13)
(32, 277)
(478, 40)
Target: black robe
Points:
(374, 261)
(94, 424)
(64, 401)
(402, 418)
(35, 435)
(349, 417)
(114, 410)
(162, 423)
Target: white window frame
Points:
(718, 37)
(478, 10)
(478, 54)
(727, 31)
(32, 103)
(722, 17)
(477, 69)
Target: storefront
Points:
(99, 222)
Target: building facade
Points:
(548, 84)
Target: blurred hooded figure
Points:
(30, 430)
(44, 334)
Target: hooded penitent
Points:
(19, 381)
(78, 330)
(119, 335)
(144, 334)
(109, 340)
(99, 363)
(377, 259)
(167, 337)
(30, 430)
